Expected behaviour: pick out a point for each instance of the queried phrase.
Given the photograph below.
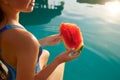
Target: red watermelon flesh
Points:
(72, 37)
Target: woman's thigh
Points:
(58, 73)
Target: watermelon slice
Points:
(71, 36)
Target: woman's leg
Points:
(44, 58)
(57, 73)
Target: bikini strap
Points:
(9, 27)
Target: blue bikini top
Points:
(11, 70)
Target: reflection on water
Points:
(100, 57)
(42, 13)
(113, 7)
(93, 1)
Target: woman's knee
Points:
(45, 54)
(44, 58)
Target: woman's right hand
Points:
(67, 56)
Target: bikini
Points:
(12, 70)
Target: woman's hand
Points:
(50, 40)
(67, 56)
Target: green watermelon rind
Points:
(79, 50)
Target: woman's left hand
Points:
(50, 40)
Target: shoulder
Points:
(25, 47)
(19, 40)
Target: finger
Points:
(56, 37)
(69, 51)
(57, 40)
(59, 37)
(58, 34)
(76, 52)
(75, 55)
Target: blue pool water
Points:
(100, 25)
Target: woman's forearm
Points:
(45, 73)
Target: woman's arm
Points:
(63, 57)
(50, 40)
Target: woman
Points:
(21, 52)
